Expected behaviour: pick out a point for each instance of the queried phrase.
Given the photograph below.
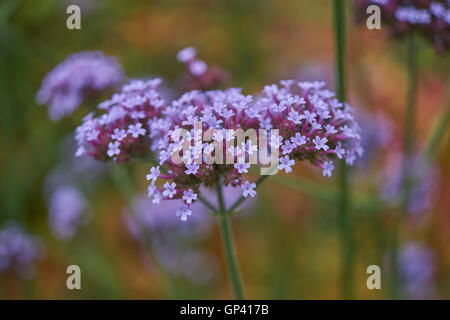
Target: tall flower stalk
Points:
(229, 247)
(344, 218)
(228, 241)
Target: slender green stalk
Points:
(228, 244)
(409, 137)
(207, 204)
(344, 218)
(437, 135)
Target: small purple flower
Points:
(151, 189)
(186, 54)
(294, 117)
(198, 67)
(298, 140)
(169, 189)
(153, 175)
(92, 135)
(248, 189)
(183, 212)
(309, 116)
(119, 134)
(288, 147)
(113, 148)
(340, 152)
(328, 168)
(136, 130)
(191, 168)
(242, 167)
(330, 129)
(286, 164)
(189, 196)
(320, 143)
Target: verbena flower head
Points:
(201, 77)
(70, 82)
(195, 138)
(122, 131)
(216, 110)
(417, 265)
(18, 250)
(313, 125)
(67, 211)
(431, 18)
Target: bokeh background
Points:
(288, 243)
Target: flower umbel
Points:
(122, 132)
(70, 82)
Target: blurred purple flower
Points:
(70, 82)
(200, 77)
(67, 211)
(430, 18)
(67, 206)
(18, 250)
(423, 178)
(376, 134)
(173, 241)
(416, 264)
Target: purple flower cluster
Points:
(305, 121)
(423, 179)
(18, 250)
(122, 131)
(67, 211)
(201, 77)
(431, 18)
(81, 74)
(312, 125)
(416, 271)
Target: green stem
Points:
(207, 203)
(344, 218)
(437, 135)
(228, 244)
